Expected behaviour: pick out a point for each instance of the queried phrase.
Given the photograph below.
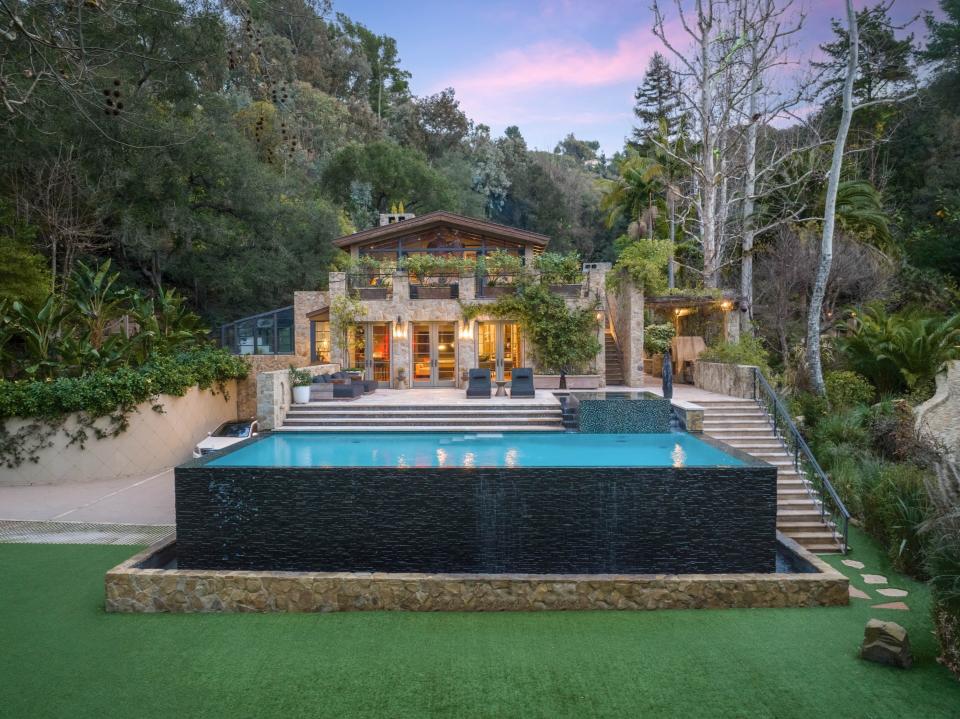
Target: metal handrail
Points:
(803, 459)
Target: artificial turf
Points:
(61, 655)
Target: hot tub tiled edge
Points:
(134, 587)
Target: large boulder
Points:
(886, 643)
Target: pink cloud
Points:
(570, 63)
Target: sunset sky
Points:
(549, 66)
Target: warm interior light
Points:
(726, 305)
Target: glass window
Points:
(321, 341)
(265, 326)
(245, 338)
(285, 331)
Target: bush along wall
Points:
(113, 394)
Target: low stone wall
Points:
(274, 394)
(153, 442)
(735, 380)
(939, 417)
(139, 585)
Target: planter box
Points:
(546, 381)
(499, 290)
(567, 290)
(373, 293)
(574, 381)
(438, 292)
(583, 381)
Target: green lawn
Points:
(62, 656)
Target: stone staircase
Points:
(613, 372)
(518, 416)
(743, 424)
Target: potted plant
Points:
(562, 273)
(431, 274)
(300, 381)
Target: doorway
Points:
(434, 347)
(499, 348)
(368, 348)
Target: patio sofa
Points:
(521, 383)
(335, 386)
(479, 384)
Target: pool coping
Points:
(738, 454)
(132, 588)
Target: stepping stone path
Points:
(857, 593)
(874, 578)
(893, 592)
(899, 606)
(852, 563)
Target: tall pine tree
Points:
(656, 100)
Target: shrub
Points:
(656, 338)
(943, 561)
(748, 350)
(810, 407)
(842, 428)
(847, 389)
(104, 392)
(900, 351)
(644, 262)
(894, 510)
(559, 269)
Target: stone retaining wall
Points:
(734, 380)
(153, 442)
(133, 587)
(275, 395)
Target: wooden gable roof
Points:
(450, 220)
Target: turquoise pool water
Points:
(450, 449)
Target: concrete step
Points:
(297, 411)
(495, 422)
(801, 526)
(459, 429)
(479, 406)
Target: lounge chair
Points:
(479, 386)
(521, 383)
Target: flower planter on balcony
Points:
(373, 293)
(436, 292)
(567, 290)
(499, 290)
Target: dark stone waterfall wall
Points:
(507, 520)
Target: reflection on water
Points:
(678, 456)
(469, 459)
(441, 457)
(511, 457)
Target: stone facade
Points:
(939, 417)
(140, 585)
(734, 380)
(399, 311)
(274, 393)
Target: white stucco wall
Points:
(153, 442)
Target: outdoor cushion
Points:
(479, 386)
(521, 382)
(348, 390)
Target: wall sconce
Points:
(399, 329)
(726, 305)
(466, 331)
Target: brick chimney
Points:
(391, 218)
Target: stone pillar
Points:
(401, 287)
(466, 348)
(468, 287)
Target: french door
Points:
(434, 346)
(499, 348)
(369, 350)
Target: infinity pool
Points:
(448, 449)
